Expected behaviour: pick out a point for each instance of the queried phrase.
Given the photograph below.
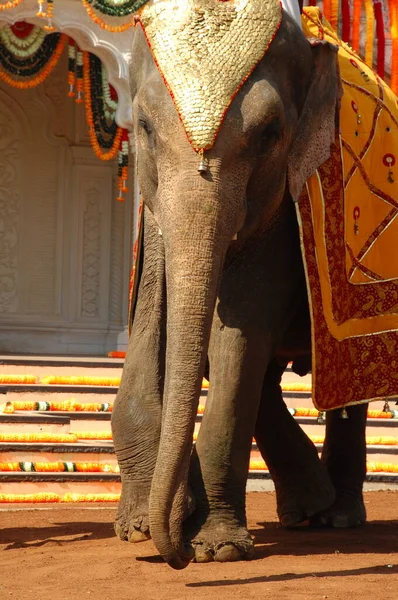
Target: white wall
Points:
(65, 242)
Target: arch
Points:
(114, 50)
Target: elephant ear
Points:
(318, 120)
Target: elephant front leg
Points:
(217, 529)
(344, 455)
(302, 484)
(136, 417)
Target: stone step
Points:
(65, 422)
(43, 366)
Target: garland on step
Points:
(81, 380)
(48, 497)
(64, 406)
(18, 379)
(41, 437)
(57, 467)
(38, 438)
(28, 55)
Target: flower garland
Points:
(105, 135)
(18, 379)
(116, 354)
(117, 8)
(27, 64)
(10, 5)
(80, 380)
(48, 497)
(106, 26)
(65, 406)
(57, 467)
(80, 467)
(37, 438)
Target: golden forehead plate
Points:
(205, 51)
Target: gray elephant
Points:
(222, 278)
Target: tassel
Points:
(344, 414)
(356, 24)
(381, 38)
(334, 14)
(346, 22)
(370, 19)
(393, 8)
(327, 9)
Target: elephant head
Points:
(277, 130)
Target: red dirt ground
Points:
(71, 553)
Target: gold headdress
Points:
(205, 51)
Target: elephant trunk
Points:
(195, 246)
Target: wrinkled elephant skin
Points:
(240, 302)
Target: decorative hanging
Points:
(28, 55)
(9, 5)
(107, 139)
(105, 135)
(381, 38)
(107, 26)
(393, 10)
(356, 25)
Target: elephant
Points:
(222, 282)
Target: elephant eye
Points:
(143, 124)
(269, 136)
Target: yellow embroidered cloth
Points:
(349, 231)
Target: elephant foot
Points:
(222, 543)
(299, 503)
(347, 511)
(132, 519)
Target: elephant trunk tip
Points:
(178, 561)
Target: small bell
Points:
(386, 407)
(204, 164)
(321, 419)
(344, 414)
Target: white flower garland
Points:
(110, 105)
(22, 48)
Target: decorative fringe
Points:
(334, 14)
(381, 38)
(393, 8)
(346, 21)
(370, 20)
(356, 24)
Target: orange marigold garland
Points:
(107, 26)
(356, 25)
(80, 380)
(370, 19)
(10, 5)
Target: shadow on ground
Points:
(30, 537)
(375, 570)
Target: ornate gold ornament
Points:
(205, 51)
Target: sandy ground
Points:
(71, 553)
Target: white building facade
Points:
(65, 241)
